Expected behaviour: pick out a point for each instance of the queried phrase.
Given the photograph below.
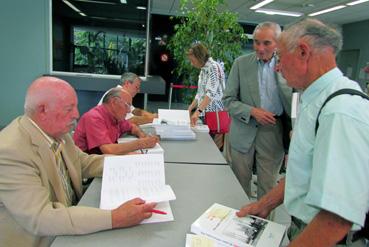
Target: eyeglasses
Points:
(126, 105)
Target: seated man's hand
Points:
(131, 213)
(255, 208)
(148, 141)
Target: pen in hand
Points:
(157, 211)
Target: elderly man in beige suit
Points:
(41, 172)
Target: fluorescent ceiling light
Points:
(141, 7)
(74, 8)
(261, 4)
(123, 1)
(357, 2)
(328, 10)
(94, 1)
(278, 12)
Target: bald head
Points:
(118, 101)
(52, 104)
(45, 90)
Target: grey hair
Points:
(112, 93)
(318, 34)
(272, 25)
(128, 76)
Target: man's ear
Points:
(304, 50)
(42, 110)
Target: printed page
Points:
(128, 176)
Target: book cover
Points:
(222, 224)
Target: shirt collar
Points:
(208, 63)
(270, 63)
(50, 140)
(312, 91)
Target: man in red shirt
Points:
(99, 129)
(132, 84)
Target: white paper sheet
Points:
(128, 176)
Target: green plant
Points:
(209, 22)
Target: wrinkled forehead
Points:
(264, 34)
(65, 97)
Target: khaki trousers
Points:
(267, 153)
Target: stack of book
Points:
(174, 125)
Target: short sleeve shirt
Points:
(330, 170)
(97, 127)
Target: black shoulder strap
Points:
(363, 232)
(339, 92)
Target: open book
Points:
(222, 224)
(129, 176)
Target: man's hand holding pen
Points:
(148, 141)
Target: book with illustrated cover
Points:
(222, 224)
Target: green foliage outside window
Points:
(107, 53)
(209, 22)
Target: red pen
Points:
(157, 211)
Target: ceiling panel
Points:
(347, 15)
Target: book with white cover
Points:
(222, 224)
(201, 128)
(174, 125)
(157, 149)
(172, 132)
(174, 117)
(129, 176)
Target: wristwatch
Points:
(199, 110)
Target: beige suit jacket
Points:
(32, 199)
